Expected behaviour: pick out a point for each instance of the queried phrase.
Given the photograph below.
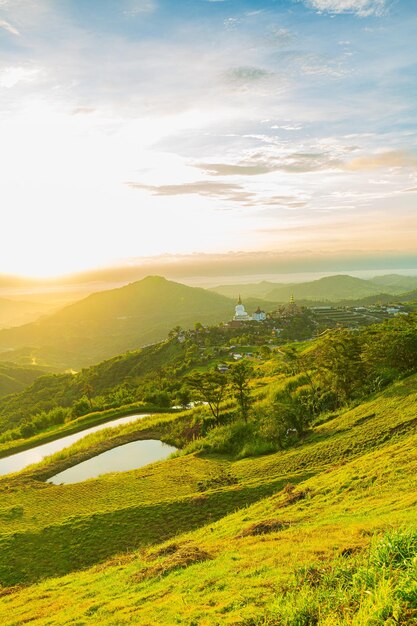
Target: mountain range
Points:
(110, 322)
(329, 288)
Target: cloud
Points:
(393, 158)
(362, 8)
(204, 188)
(10, 29)
(297, 162)
(228, 192)
(11, 76)
(83, 110)
(135, 7)
(247, 74)
(226, 169)
(304, 162)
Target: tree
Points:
(338, 358)
(209, 387)
(240, 375)
(88, 390)
(393, 345)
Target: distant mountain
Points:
(247, 290)
(16, 313)
(395, 283)
(111, 322)
(330, 288)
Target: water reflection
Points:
(19, 461)
(127, 457)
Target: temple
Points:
(241, 315)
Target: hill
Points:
(330, 288)
(395, 283)
(113, 321)
(14, 378)
(327, 289)
(322, 533)
(246, 290)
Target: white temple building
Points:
(240, 314)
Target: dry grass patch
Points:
(178, 556)
(263, 528)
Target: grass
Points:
(75, 426)
(323, 533)
(324, 561)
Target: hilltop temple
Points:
(241, 315)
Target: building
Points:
(240, 314)
(259, 316)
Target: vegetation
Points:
(14, 378)
(111, 322)
(292, 500)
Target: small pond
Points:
(20, 460)
(126, 457)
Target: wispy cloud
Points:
(304, 162)
(294, 162)
(393, 158)
(135, 7)
(9, 28)
(225, 191)
(363, 8)
(11, 76)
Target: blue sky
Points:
(147, 128)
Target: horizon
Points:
(211, 129)
(73, 291)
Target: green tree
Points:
(338, 358)
(240, 375)
(209, 387)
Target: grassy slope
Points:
(65, 389)
(355, 474)
(240, 577)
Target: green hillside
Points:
(280, 544)
(14, 378)
(64, 390)
(300, 511)
(111, 322)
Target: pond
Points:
(20, 460)
(126, 457)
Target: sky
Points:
(133, 130)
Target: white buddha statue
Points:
(240, 313)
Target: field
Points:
(287, 538)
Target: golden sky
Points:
(141, 128)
